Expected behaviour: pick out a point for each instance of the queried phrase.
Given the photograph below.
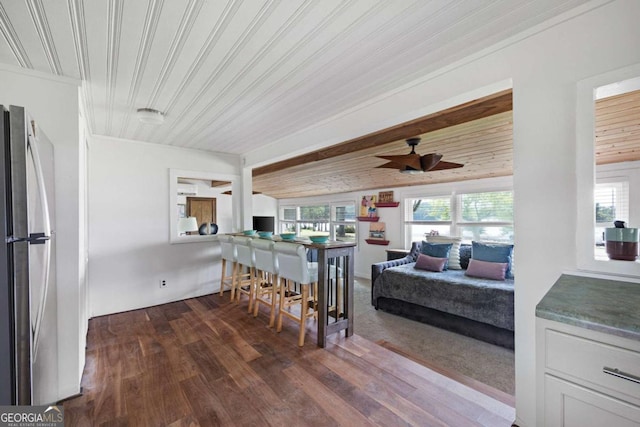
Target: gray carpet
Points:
(481, 361)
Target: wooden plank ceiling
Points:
(618, 128)
(478, 134)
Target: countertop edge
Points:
(598, 327)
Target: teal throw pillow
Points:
(437, 250)
(493, 252)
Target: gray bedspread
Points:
(483, 300)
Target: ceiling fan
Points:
(413, 162)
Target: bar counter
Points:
(335, 285)
(335, 302)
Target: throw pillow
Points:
(486, 269)
(465, 255)
(454, 254)
(429, 263)
(437, 250)
(493, 252)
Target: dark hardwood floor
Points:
(205, 361)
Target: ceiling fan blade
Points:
(411, 160)
(445, 165)
(391, 165)
(429, 161)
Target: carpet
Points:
(437, 348)
(454, 375)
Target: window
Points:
(288, 222)
(343, 222)
(337, 219)
(426, 215)
(484, 216)
(611, 201)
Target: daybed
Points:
(479, 308)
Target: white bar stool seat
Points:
(266, 277)
(294, 267)
(244, 279)
(229, 258)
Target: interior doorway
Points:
(203, 208)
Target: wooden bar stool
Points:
(294, 268)
(228, 254)
(266, 277)
(244, 271)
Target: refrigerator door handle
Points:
(34, 239)
(40, 238)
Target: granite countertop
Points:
(602, 305)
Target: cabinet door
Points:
(570, 405)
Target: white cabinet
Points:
(586, 378)
(570, 405)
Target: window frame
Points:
(331, 223)
(459, 224)
(456, 222)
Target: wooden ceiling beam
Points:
(473, 110)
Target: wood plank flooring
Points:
(206, 362)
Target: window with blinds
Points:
(611, 200)
(428, 215)
(337, 219)
(486, 216)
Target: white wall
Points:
(129, 226)
(264, 206)
(53, 103)
(544, 69)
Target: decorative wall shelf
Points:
(368, 218)
(387, 204)
(377, 242)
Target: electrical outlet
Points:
(163, 283)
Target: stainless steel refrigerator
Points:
(28, 294)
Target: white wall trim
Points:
(40, 75)
(229, 156)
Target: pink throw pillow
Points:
(486, 269)
(429, 263)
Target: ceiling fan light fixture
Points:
(410, 171)
(413, 163)
(149, 116)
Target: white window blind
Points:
(611, 203)
(430, 209)
(486, 216)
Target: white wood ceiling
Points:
(232, 75)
